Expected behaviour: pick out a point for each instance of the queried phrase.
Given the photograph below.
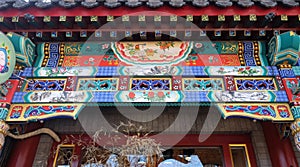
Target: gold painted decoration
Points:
(34, 112)
(260, 111)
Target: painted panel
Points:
(255, 96)
(150, 70)
(249, 84)
(34, 112)
(261, 111)
(150, 84)
(100, 60)
(149, 96)
(11, 86)
(98, 84)
(289, 84)
(249, 53)
(158, 53)
(62, 71)
(237, 71)
(202, 84)
(55, 84)
(56, 96)
(229, 83)
(87, 48)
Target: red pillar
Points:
(23, 152)
(281, 150)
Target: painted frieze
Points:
(255, 84)
(55, 84)
(34, 112)
(240, 71)
(245, 96)
(261, 111)
(98, 84)
(150, 84)
(149, 96)
(56, 96)
(62, 71)
(150, 70)
(202, 84)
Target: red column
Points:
(280, 150)
(23, 152)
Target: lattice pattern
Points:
(202, 84)
(249, 54)
(255, 84)
(45, 85)
(98, 84)
(150, 84)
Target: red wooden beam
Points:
(143, 10)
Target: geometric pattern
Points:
(98, 84)
(45, 85)
(249, 54)
(150, 84)
(286, 73)
(202, 84)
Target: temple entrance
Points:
(217, 151)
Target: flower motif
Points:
(151, 94)
(248, 68)
(105, 46)
(160, 94)
(91, 59)
(62, 70)
(213, 45)
(54, 70)
(198, 45)
(241, 69)
(131, 95)
(222, 69)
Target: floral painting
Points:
(154, 53)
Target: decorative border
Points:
(20, 112)
(260, 111)
(184, 71)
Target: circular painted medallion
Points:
(7, 58)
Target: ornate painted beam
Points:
(36, 112)
(257, 111)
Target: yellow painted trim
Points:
(258, 117)
(94, 79)
(246, 151)
(22, 119)
(57, 151)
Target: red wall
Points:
(23, 151)
(280, 150)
